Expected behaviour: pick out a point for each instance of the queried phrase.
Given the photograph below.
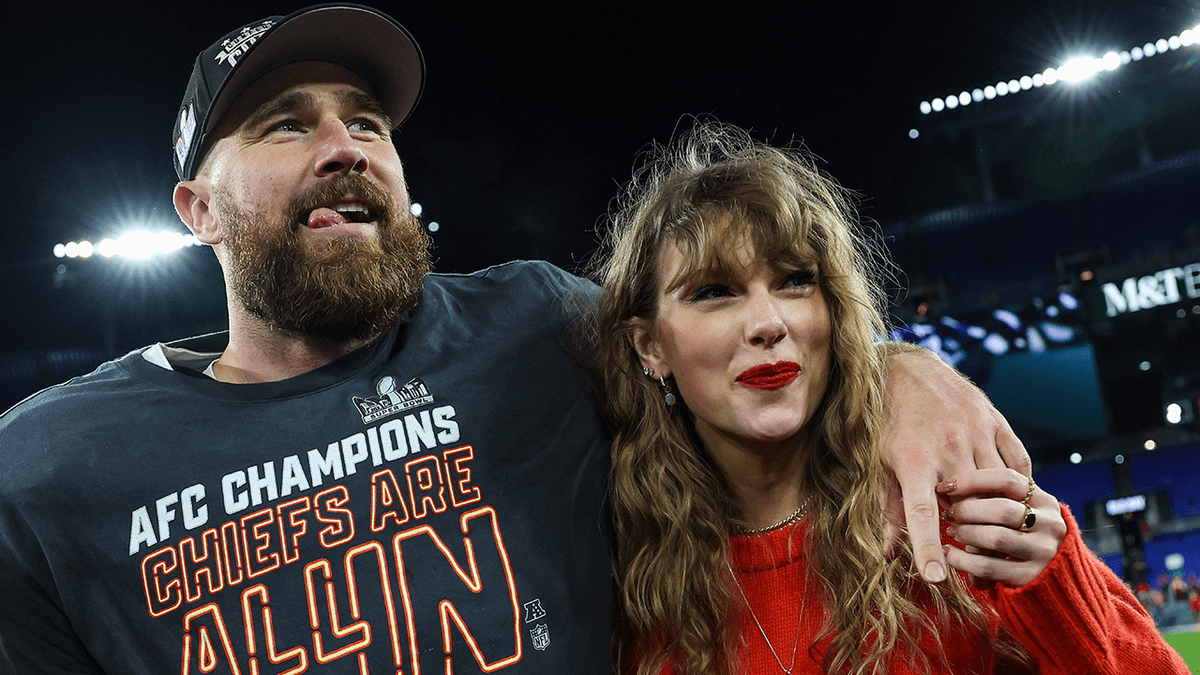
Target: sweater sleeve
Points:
(1078, 617)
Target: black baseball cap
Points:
(365, 41)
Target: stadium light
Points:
(136, 245)
(1076, 69)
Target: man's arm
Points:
(937, 425)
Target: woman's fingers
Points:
(984, 568)
(1010, 528)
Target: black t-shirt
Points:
(431, 503)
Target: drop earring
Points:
(667, 395)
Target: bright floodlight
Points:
(938, 105)
(138, 244)
(415, 208)
(926, 107)
(913, 133)
(1076, 458)
(1077, 69)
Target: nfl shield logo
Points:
(541, 637)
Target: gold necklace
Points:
(800, 617)
(796, 515)
(790, 519)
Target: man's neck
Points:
(257, 353)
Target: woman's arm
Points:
(1061, 602)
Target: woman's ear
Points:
(644, 342)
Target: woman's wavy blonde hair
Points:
(672, 509)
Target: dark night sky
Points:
(529, 121)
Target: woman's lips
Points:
(770, 375)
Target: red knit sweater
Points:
(1076, 617)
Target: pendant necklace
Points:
(803, 598)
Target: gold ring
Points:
(1029, 495)
(1029, 519)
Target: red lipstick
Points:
(770, 375)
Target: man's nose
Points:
(339, 152)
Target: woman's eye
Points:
(801, 278)
(710, 292)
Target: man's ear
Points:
(648, 350)
(193, 203)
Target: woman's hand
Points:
(1011, 528)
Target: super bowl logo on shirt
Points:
(391, 400)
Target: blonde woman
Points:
(738, 360)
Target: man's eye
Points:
(285, 126)
(365, 125)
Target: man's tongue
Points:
(325, 217)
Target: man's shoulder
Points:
(80, 392)
(507, 288)
(529, 273)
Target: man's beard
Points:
(340, 289)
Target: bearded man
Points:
(375, 469)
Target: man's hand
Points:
(938, 425)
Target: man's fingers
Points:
(1012, 450)
(892, 506)
(924, 530)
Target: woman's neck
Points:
(766, 479)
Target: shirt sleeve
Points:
(35, 634)
(1078, 617)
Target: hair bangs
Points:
(713, 240)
